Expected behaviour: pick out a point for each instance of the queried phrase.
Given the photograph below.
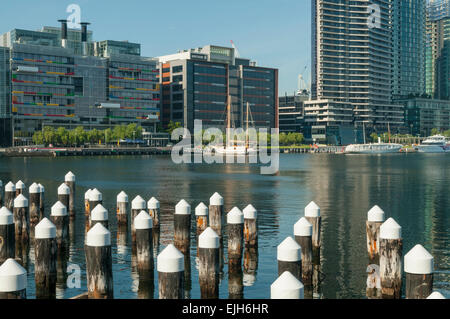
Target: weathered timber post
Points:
(312, 214)
(34, 207)
(182, 226)
(235, 230)
(7, 238)
(143, 224)
(373, 282)
(99, 215)
(419, 268)
(250, 226)
(99, 263)
(64, 195)
(250, 266)
(45, 259)
(289, 256)
(201, 216)
(303, 237)
(69, 179)
(1, 194)
(13, 280)
(42, 200)
(137, 205)
(170, 266)
(153, 207)
(20, 188)
(209, 264)
(21, 219)
(122, 209)
(10, 194)
(235, 283)
(216, 213)
(60, 219)
(87, 208)
(375, 217)
(391, 246)
(287, 286)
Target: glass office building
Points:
(5, 98)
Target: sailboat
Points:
(235, 147)
(373, 148)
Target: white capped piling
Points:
(287, 286)
(201, 216)
(1, 194)
(170, 266)
(122, 209)
(34, 192)
(143, 224)
(303, 236)
(153, 207)
(137, 205)
(21, 219)
(312, 214)
(391, 252)
(208, 243)
(373, 282)
(69, 180)
(250, 226)
(289, 256)
(10, 194)
(87, 208)
(99, 215)
(375, 218)
(95, 198)
(419, 268)
(20, 188)
(436, 295)
(60, 219)
(182, 226)
(42, 200)
(64, 195)
(250, 265)
(45, 259)
(99, 263)
(216, 213)
(235, 230)
(13, 280)
(7, 238)
(235, 283)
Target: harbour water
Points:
(411, 188)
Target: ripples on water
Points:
(411, 188)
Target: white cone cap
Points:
(287, 287)
(13, 277)
(122, 197)
(170, 260)
(153, 203)
(138, 203)
(20, 185)
(235, 216)
(419, 261)
(70, 177)
(303, 228)
(41, 187)
(98, 236)
(10, 187)
(34, 189)
(45, 229)
(20, 201)
(390, 230)
(59, 209)
(86, 195)
(289, 250)
(6, 217)
(375, 214)
(99, 213)
(63, 189)
(201, 210)
(143, 221)
(183, 208)
(436, 295)
(250, 212)
(208, 239)
(95, 195)
(312, 210)
(216, 199)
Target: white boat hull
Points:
(432, 149)
(372, 148)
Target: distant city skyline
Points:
(273, 33)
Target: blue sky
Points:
(275, 33)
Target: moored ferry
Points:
(434, 144)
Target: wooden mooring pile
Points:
(23, 223)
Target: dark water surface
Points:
(412, 188)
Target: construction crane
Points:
(302, 86)
(236, 52)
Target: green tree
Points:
(62, 136)
(434, 131)
(80, 135)
(108, 134)
(374, 137)
(172, 126)
(38, 138)
(49, 135)
(447, 133)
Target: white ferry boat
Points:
(379, 148)
(434, 144)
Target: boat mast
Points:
(389, 133)
(364, 132)
(246, 132)
(228, 119)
